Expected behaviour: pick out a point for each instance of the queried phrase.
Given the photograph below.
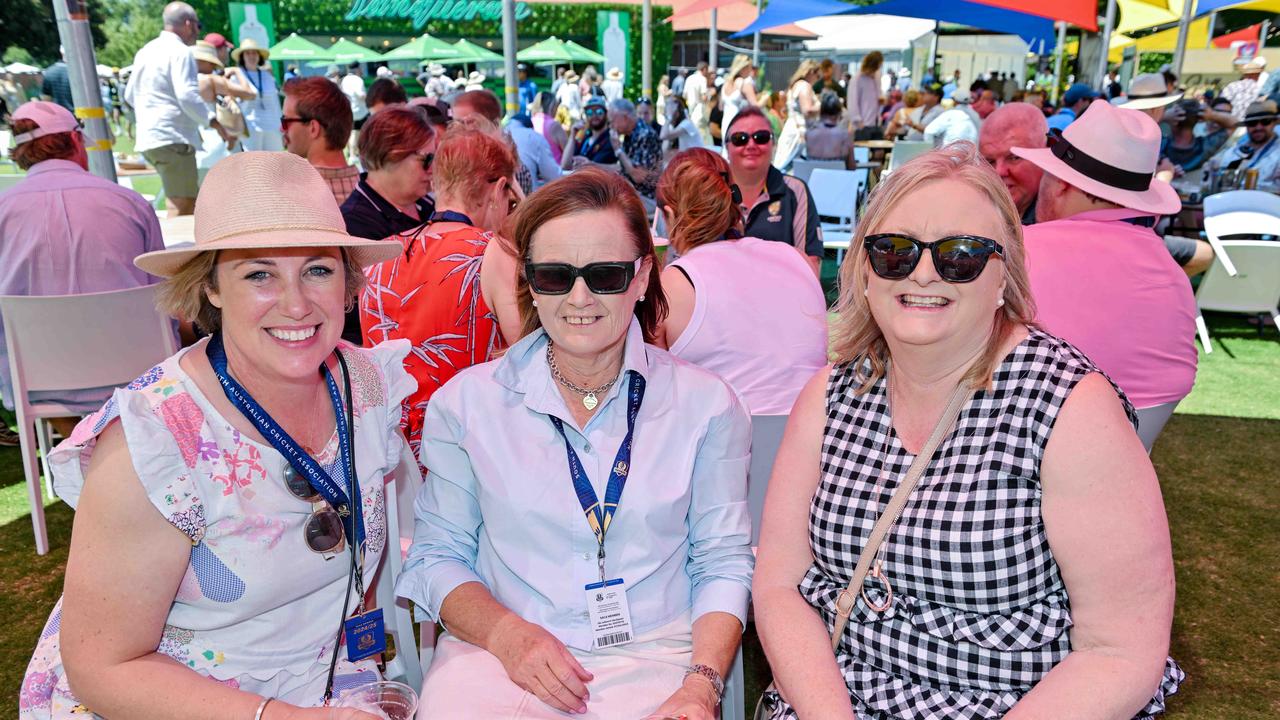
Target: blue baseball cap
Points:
(1076, 93)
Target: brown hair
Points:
(468, 159)
(872, 62)
(855, 336)
(185, 295)
(58, 146)
(695, 187)
(385, 91)
(391, 135)
(588, 190)
(321, 100)
(746, 112)
(483, 102)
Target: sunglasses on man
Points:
(759, 137)
(1258, 122)
(593, 111)
(602, 278)
(286, 122)
(956, 258)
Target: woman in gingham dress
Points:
(1031, 571)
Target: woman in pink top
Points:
(544, 123)
(745, 308)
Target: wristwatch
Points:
(709, 673)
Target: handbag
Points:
(230, 117)
(849, 596)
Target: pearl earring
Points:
(641, 298)
(535, 303)
(866, 292)
(1000, 302)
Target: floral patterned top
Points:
(431, 295)
(256, 609)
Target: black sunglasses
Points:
(323, 529)
(426, 159)
(285, 122)
(957, 258)
(602, 278)
(1259, 122)
(761, 137)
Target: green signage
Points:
(252, 20)
(420, 11)
(613, 29)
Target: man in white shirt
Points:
(165, 95)
(958, 123)
(695, 98)
(353, 87)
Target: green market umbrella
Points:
(345, 52)
(473, 53)
(551, 51)
(429, 49)
(582, 54)
(296, 47)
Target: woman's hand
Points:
(540, 664)
(695, 700)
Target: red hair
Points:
(695, 187)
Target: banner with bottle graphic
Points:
(252, 20)
(613, 30)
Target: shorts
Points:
(1183, 249)
(176, 165)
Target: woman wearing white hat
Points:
(475, 81)
(229, 506)
(262, 114)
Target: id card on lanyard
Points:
(606, 599)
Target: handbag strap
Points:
(849, 596)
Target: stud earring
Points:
(535, 303)
(866, 292)
(1000, 302)
(641, 298)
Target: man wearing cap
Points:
(1015, 124)
(1101, 277)
(931, 108)
(165, 94)
(525, 87)
(222, 45)
(1259, 150)
(589, 140)
(1244, 91)
(1077, 98)
(67, 231)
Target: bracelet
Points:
(710, 674)
(262, 708)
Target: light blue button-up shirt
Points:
(498, 506)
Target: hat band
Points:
(255, 231)
(1094, 168)
(1148, 96)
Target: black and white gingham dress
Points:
(979, 610)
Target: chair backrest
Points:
(1255, 288)
(835, 192)
(73, 342)
(803, 169)
(1242, 212)
(861, 154)
(766, 436)
(906, 150)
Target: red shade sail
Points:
(1081, 13)
(698, 6)
(1249, 34)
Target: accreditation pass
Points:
(610, 614)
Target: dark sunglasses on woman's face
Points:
(761, 137)
(957, 258)
(602, 278)
(426, 159)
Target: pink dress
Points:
(542, 124)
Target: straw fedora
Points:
(260, 200)
(1110, 153)
(206, 52)
(1148, 91)
(614, 74)
(571, 77)
(249, 44)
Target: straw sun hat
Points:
(206, 52)
(249, 44)
(261, 200)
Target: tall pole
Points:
(933, 54)
(646, 48)
(1104, 60)
(77, 44)
(755, 41)
(1213, 21)
(509, 55)
(715, 42)
(1180, 50)
(1057, 66)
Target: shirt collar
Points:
(384, 206)
(54, 165)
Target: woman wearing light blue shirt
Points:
(553, 604)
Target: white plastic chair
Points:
(75, 342)
(836, 194)
(407, 665)
(906, 150)
(1251, 287)
(803, 169)
(862, 154)
(1239, 212)
(1151, 421)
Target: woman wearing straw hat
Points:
(739, 88)
(569, 97)
(226, 94)
(229, 504)
(802, 108)
(262, 114)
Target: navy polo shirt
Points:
(787, 214)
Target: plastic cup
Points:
(384, 699)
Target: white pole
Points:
(77, 44)
(509, 56)
(715, 43)
(1213, 21)
(646, 49)
(933, 53)
(755, 41)
(1180, 50)
(1104, 60)
(1057, 66)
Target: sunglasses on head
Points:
(602, 278)
(323, 529)
(761, 137)
(957, 258)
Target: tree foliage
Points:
(130, 24)
(30, 25)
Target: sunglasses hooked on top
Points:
(323, 529)
(760, 137)
(957, 258)
(602, 278)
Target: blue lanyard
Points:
(599, 516)
(303, 463)
(1258, 158)
(450, 216)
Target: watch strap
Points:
(709, 673)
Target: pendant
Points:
(589, 401)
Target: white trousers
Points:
(630, 682)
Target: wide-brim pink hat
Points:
(261, 200)
(1110, 153)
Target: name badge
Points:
(366, 635)
(610, 614)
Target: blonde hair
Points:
(855, 336)
(806, 67)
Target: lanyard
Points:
(303, 463)
(599, 516)
(1258, 158)
(450, 216)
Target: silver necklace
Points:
(589, 397)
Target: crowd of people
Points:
(583, 278)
